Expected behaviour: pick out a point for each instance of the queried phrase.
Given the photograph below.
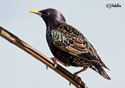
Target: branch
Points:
(41, 57)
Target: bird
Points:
(68, 45)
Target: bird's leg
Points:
(56, 59)
(76, 73)
(55, 62)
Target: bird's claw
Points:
(70, 83)
(77, 77)
(54, 61)
(46, 67)
(55, 65)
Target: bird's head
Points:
(51, 16)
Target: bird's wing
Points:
(72, 41)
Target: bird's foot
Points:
(76, 76)
(54, 61)
(76, 73)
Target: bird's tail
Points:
(98, 68)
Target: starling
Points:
(68, 45)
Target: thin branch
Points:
(41, 57)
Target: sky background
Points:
(103, 27)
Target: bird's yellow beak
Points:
(35, 12)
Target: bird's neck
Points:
(53, 25)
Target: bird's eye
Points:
(45, 13)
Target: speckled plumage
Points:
(69, 45)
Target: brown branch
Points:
(41, 57)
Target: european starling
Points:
(68, 45)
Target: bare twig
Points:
(41, 57)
